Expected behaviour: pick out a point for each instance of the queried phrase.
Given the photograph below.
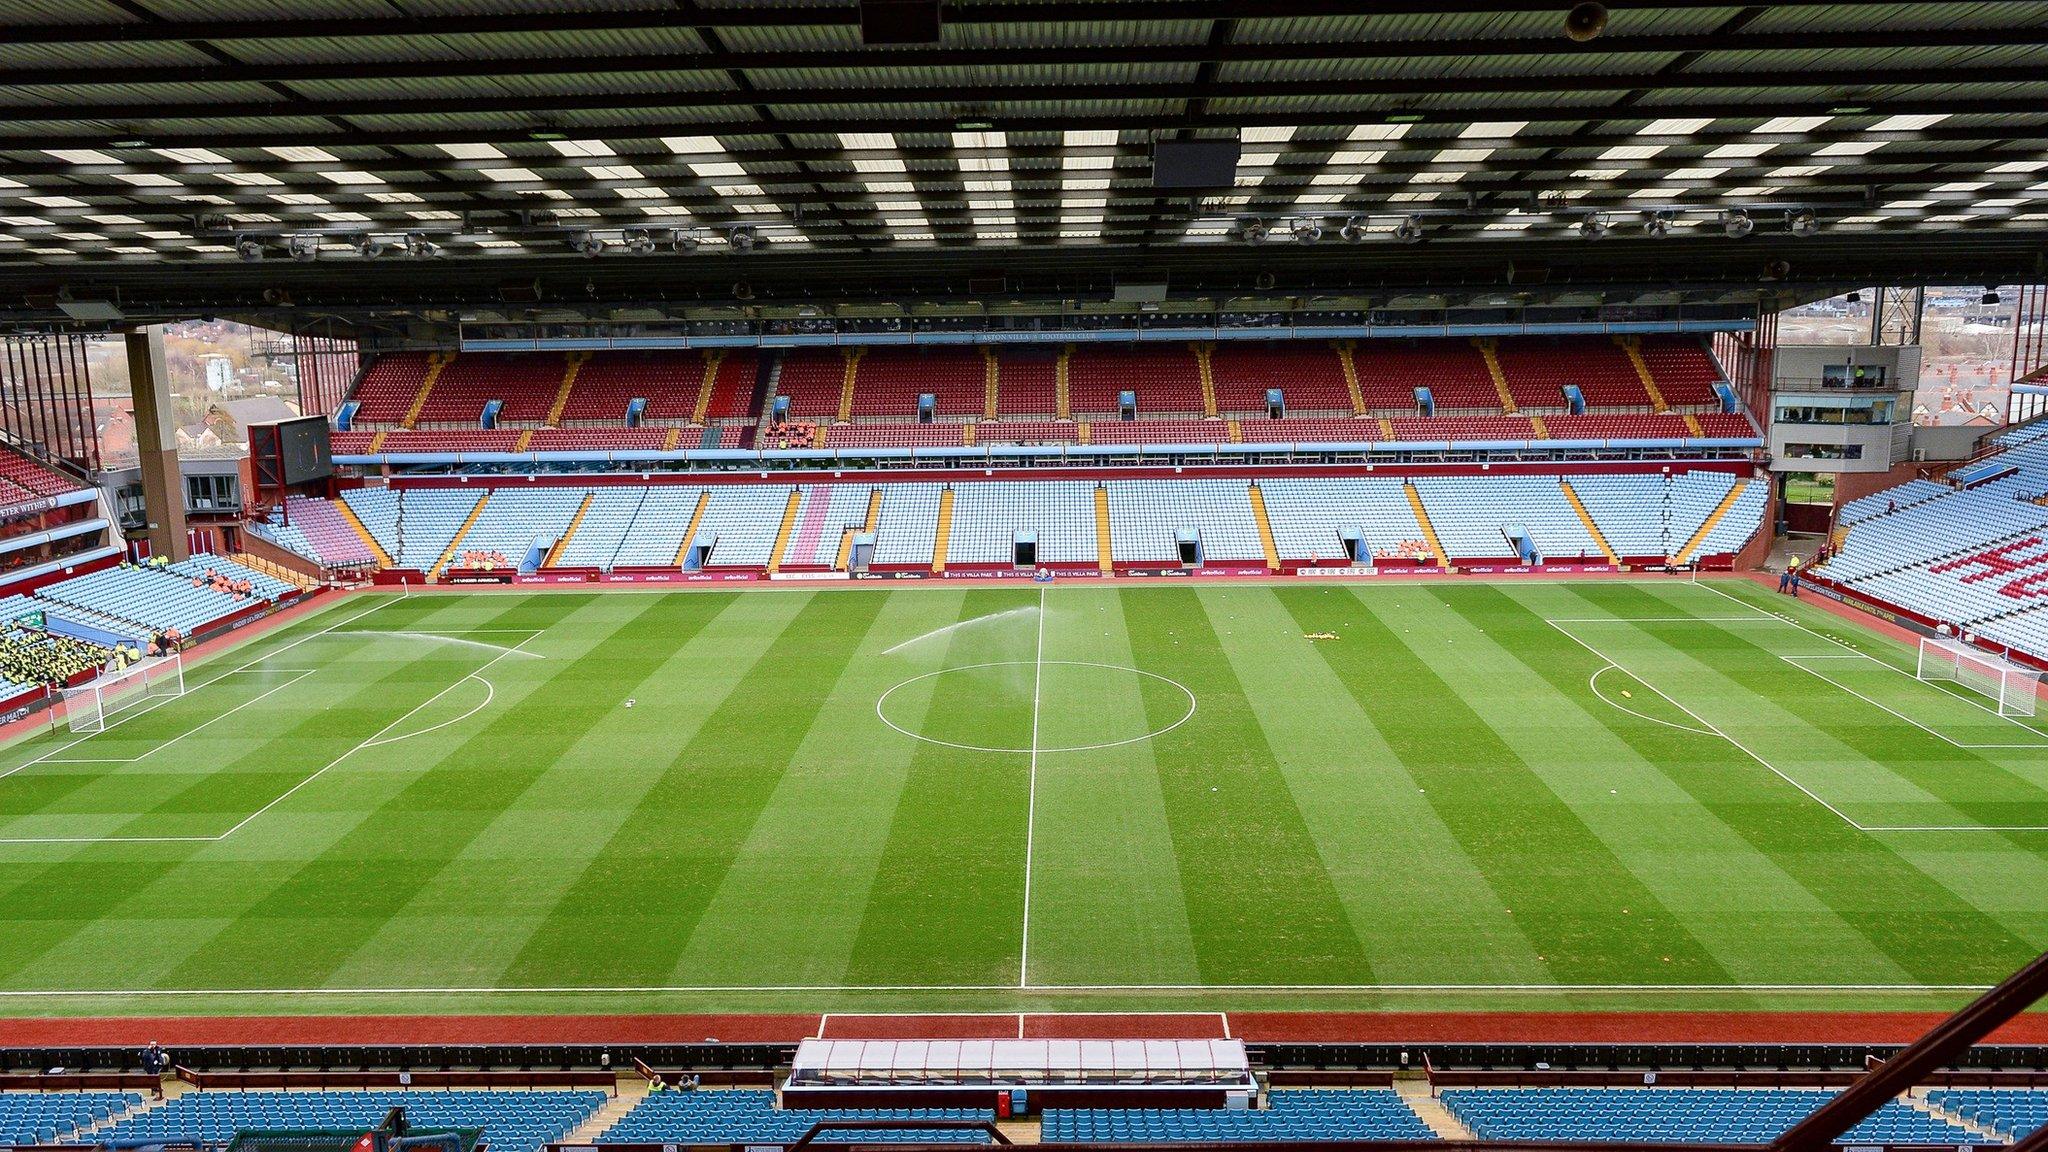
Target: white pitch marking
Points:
(148, 708)
(1780, 773)
(1592, 682)
(1031, 809)
(1798, 662)
(937, 632)
(302, 674)
(371, 742)
(894, 688)
(490, 694)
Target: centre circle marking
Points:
(883, 699)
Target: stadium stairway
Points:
(1713, 518)
(569, 533)
(441, 565)
(1436, 546)
(1488, 350)
(1592, 529)
(369, 540)
(1920, 1102)
(1265, 529)
(631, 1090)
(1634, 348)
(1422, 1102)
(1104, 556)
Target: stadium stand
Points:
(1642, 518)
(511, 1121)
(869, 398)
(1714, 1116)
(134, 599)
(28, 1118)
(745, 1116)
(2007, 1113)
(24, 482)
(1294, 1114)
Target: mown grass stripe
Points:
(954, 855)
(1258, 897)
(652, 881)
(1900, 912)
(339, 899)
(1956, 777)
(1595, 920)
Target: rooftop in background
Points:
(768, 143)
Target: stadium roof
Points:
(139, 138)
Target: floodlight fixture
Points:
(1737, 224)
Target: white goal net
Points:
(91, 707)
(1953, 661)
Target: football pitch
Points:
(1616, 794)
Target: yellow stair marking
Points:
(1386, 430)
(369, 541)
(1351, 377)
(1265, 529)
(1634, 348)
(846, 537)
(1062, 407)
(1422, 519)
(525, 438)
(1081, 432)
(434, 365)
(782, 535)
(989, 382)
(434, 573)
(943, 534)
(377, 442)
(696, 518)
(1692, 424)
(1104, 558)
(712, 360)
(1713, 518)
(673, 440)
(555, 553)
(846, 382)
(967, 434)
(1586, 518)
(575, 365)
(1500, 378)
(1207, 370)
(1236, 432)
(1542, 431)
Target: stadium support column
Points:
(156, 443)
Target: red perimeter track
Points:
(1266, 1027)
(787, 1028)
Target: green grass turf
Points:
(1640, 794)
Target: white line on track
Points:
(1031, 805)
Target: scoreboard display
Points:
(303, 449)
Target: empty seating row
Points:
(46, 1117)
(131, 600)
(2014, 1113)
(1290, 1115)
(750, 1117)
(511, 1121)
(1705, 1116)
(1641, 517)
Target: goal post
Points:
(91, 707)
(2012, 686)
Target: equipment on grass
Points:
(2012, 686)
(89, 707)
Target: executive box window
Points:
(1852, 376)
(1876, 412)
(1823, 452)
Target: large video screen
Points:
(307, 454)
